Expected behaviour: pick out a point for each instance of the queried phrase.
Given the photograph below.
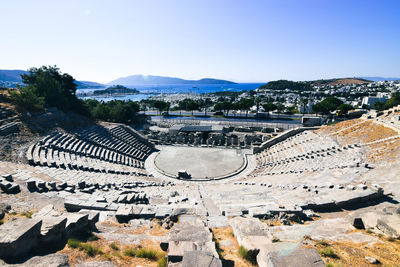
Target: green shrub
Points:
(26, 98)
(107, 257)
(147, 253)
(328, 252)
(91, 250)
(114, 246)
(275, 240)
(1, 222)
(92, 237)
(130, 252)
(391, 239)
(73, 243)
(249, 256)
(323, 243)
(27, 214)
(162, 262)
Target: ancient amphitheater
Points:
(305, 197)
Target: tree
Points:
(328, 105)
(257, 101)
(394, 100)
(280, 107)
(205, 103)
(115, 110)
(160, 105)
(379, 106)
(269, 107)
(245, 104)
(26, 98)
(191, 106)
(344, 108)
(219, 106)
(227, 106)
(304, 102)
(55, 88)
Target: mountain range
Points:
(11, 78)
(377, 79)
(161, 80)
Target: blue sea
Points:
(146, 91)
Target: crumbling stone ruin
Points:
(300, 192)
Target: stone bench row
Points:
(323, 204)
(81, 147)
(106, 138)
(57, 159)
(271, 161)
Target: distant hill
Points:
(339, 81)
(89, 85)
(376, 79)
(117, 89)
(160, 80)
(285, 84)
(307, 85)
(13, 77)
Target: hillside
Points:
(307, 85)
(118, 89)
(10, 78)
(339, 81)
(284, 84)
(11, 75)
(376, 79)
(161, 80)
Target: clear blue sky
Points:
(245, 41)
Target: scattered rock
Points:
(371, 260)
(358, 223)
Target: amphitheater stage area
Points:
(199, 162)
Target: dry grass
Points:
(325, 130)
(109, 253)
(353, 254)
(365, 133)
(229, 252)
(386, 151)
(24, 214)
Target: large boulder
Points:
(181, 211)
(51, 260)
(250, 232)
(93, 218)
(18, 237)
(124, 213)
(298, 257)
(53, 230)
(76, 222)
(200, 259)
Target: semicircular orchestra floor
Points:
(201, 163)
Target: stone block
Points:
(200, 259)
(18, 237)
(53, 229)
(75, 223)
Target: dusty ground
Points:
(387, 252)
(230, 251)
(116, 253)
